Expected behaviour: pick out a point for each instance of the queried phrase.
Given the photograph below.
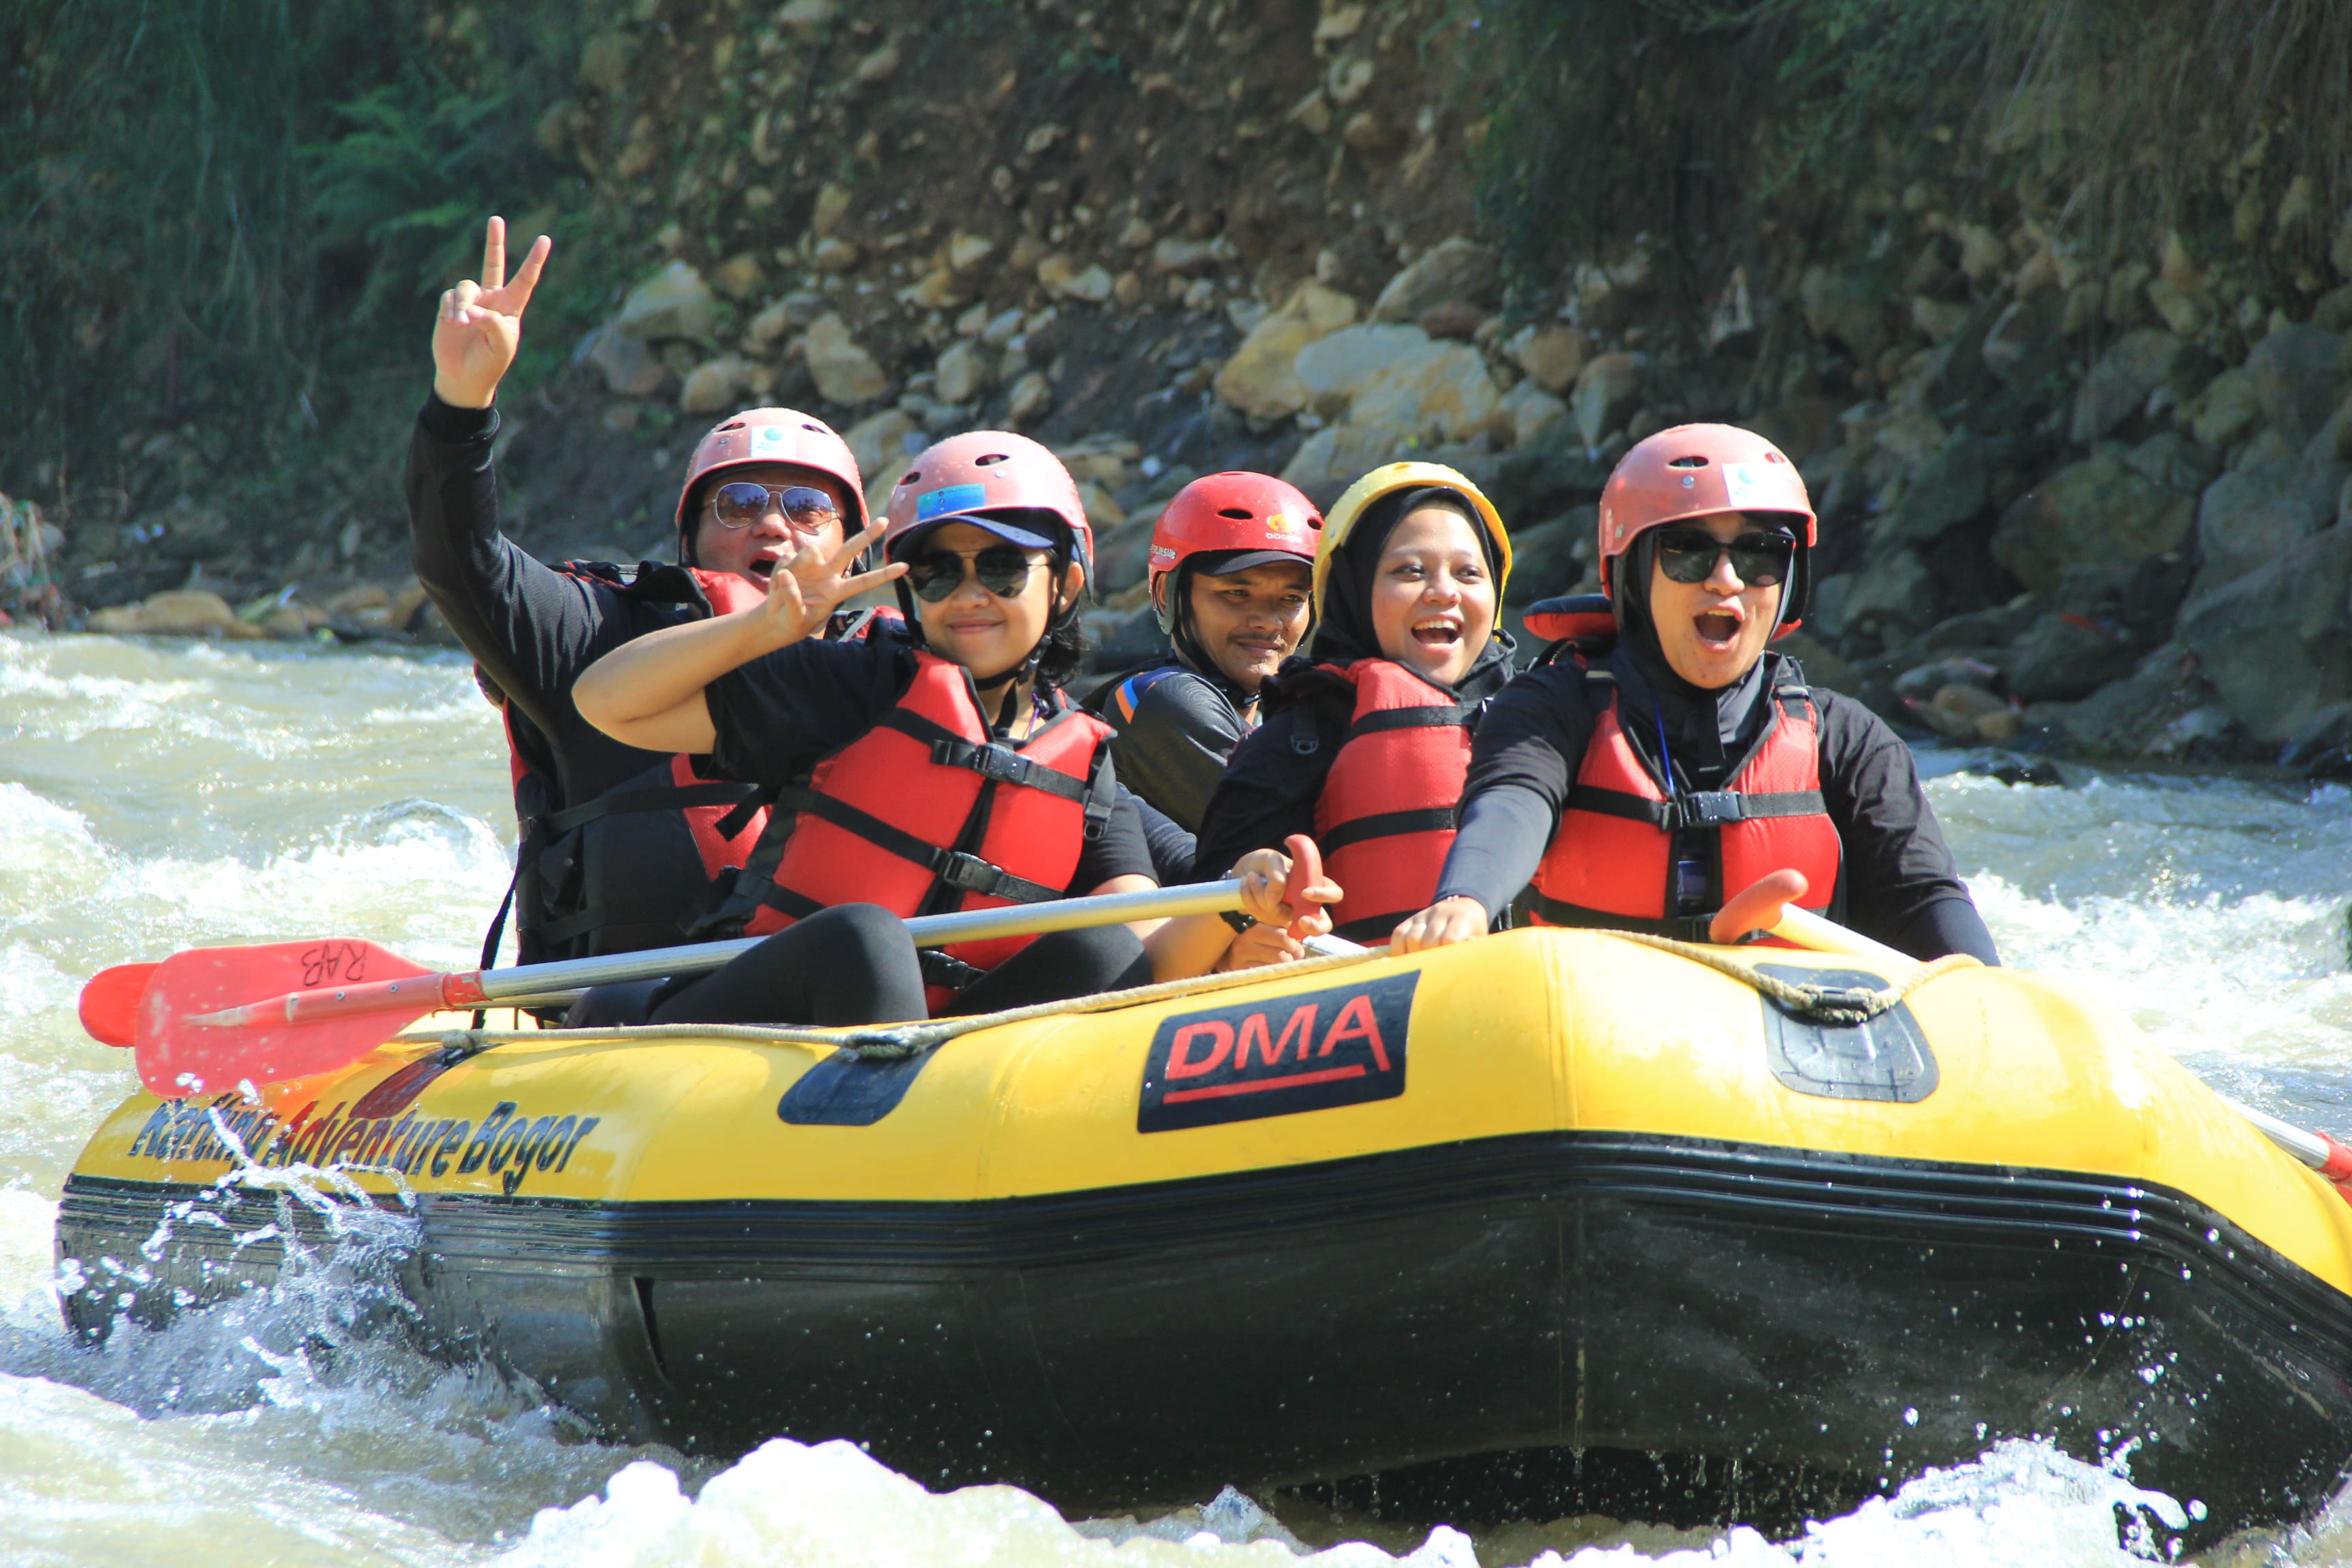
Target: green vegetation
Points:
(2117, 119)
(224, 220)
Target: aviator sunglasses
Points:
(936, 574)
(739, 503)
(1689, 555)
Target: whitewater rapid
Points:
(154, 795)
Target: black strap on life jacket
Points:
(957, 870)
(1696, 808)
(1681, 928)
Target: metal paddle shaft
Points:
(929, 930)
(412, 988)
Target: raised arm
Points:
(649, 692)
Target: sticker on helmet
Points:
(949, 499)
(771, 435)
(1748, 485)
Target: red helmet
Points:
(772, 435)
(1255, 514)
(974, 477)
(1693, 470)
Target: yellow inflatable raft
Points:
(1469, 1227)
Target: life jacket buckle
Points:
(968, 873)
(1000, 763)
(1709, 808)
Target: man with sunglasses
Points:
(620, 848)
(1643, 791)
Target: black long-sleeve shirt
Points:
(532, 629)
(1900, 885)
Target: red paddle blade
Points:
(110, 1002)
(177, 1058)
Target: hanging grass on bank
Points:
(223, 217)
(2122, 119)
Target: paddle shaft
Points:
(540, 981)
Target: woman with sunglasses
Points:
(1641, 793)
(1365, 743)
(620, 845)
(926, 769)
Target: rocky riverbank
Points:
(2076, 494)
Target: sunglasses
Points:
(936, 574)
(1689, 555)
(739, 503)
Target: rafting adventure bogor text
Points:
(1464, 784)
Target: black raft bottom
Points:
(1482, 1491)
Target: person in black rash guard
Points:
(1366, 740)
(935, 765)
(1231, 556)
(1645, 793)
(619, 846)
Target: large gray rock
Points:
(2061, 658)
(2118, 386)
(2127, 717)
(1846, 307)
(2255, 514)
(2023, 343)
(1608, 391)
(1260, 379)
(1457, 269)
(2173, 461)
(845, 374)
(1891, 597)
(1949, 488)
(2228, 411)
(628, 367)
(2277, 643)
(2096, 510)
(1401, 380)
(673, 303)
(2299, 377)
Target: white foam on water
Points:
(2021, 1505)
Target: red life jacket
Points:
(1391, 802)
(1612, 862)
(928, 812)
(631, 867)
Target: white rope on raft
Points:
(1837, 1006)
(888, 1042)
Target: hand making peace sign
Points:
(804, 590)
(479, 325)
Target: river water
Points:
(153, 796)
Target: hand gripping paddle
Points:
(214, 1016)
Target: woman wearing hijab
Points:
(1365, 744)
(1642, 793)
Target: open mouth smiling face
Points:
(1433, 595)
(1712, 632)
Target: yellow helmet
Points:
(1387, 480)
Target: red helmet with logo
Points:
(977, 478)
(1695, 471)
(771, 435)
(1255, 518)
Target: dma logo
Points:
(1278, 1057)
